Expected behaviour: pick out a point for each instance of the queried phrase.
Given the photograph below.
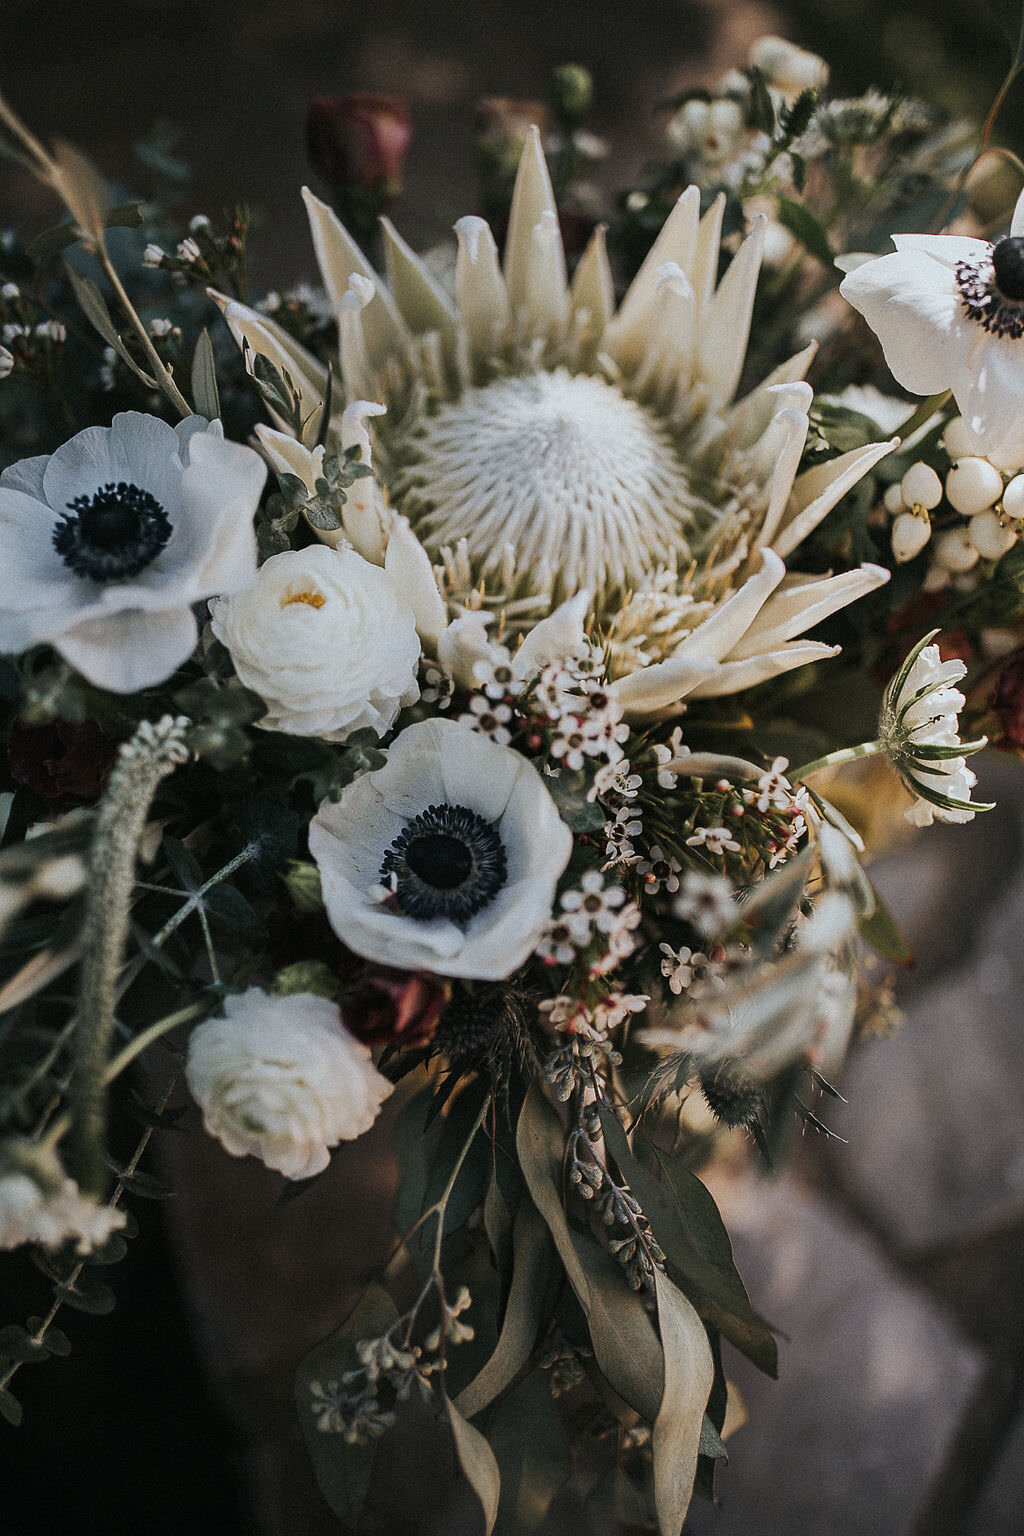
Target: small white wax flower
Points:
(109, 542)
(470, 842)
(40, 1204)
(991, 534)
(921, 487)
(325, 640)
(910, 534)
(282, 1078)
(973, 484)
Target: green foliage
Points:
(478, 1464)
(342, 1469)
(528, 1439)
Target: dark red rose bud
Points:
(389, 1007)
(65, 764)
(359, 143)
(1008, 697)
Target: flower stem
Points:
(152, 753)
(843, 755)
(161, 372)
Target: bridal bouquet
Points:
(430, 693)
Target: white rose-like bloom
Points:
(40, 1204)
(326, 641)
(949, 313)
(446, 859)
(108, 542)
(282, 1078)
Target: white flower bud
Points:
(893, 499)
(991, 534)
(1013, 497)
(958, 440)
(789, 68)
(972, 485)
(921, 486)
(954, 551)
(910, 534)
(6, 362)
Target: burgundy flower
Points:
(1008, 697)
(359, 142)
(389, 1007)
(64, 763)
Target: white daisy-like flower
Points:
(591, 905)
(715, 840)
(949, 313)
(473, 839)
(707, 902)
(541, 443)
(659, 871)
(677, 966)
(919, 728)
(282, 1079)
(108, 542)
(40, 1204)
(326, 641)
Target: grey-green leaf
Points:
(342, 1471)
(205, 395)
(478, 1462)
(529, 1442)
(689, 1373)
(533, 1263)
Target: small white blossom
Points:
(715, 840)
(153, 255)
(707, 902)
(592, 905)
(660, 871)
(188, 250)
(489, 718)
(40, 1204)
(619, 835)
(677, 967)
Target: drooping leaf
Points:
(10, 1408)
(689, 1373)
(478, 1463)
(533, 1456)
(342, 1471)
(88, 1294)
(16, 1343)
(533, 1266)
(625, 1344)
(205, 395)
(881, 931)
(687, 1224)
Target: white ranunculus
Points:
(949, 313)
(40, 1204)
(108, 542)
(282, 1078)
(326, 641)
(446, 859)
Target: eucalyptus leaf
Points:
(342, 1471)
(808, 229)
(625, 1344)
(88, 1295)
(10, 1408)
(205, 395)
(83, 190)
(534, 1266)
(94, 306)
(689, 1373)
(534, 1459)
(478, 1463)
(16, 1343)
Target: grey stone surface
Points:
(935, 1118)
(871, 1383)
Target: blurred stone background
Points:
(894, 1259)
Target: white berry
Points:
(893, 499)
(954, 551)
(910, 534)
(991, 535)
(1013, 497)
(958, 439)
(972, 485)
(921, 486)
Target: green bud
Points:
(574, 92)
(303, 882)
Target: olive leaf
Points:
(689, 1374)
(533, 1456)
(205, 395)
(478, 1462)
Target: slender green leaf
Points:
(478, 1463)
(625, 1344)
(83, 190)
(94, 306)
(10, 1408)
(533, 1266)
(205, 396)
(689, 1373)
(882, 932)
(342, 1471)
(807, 228)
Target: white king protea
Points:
(540, 443)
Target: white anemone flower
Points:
(108, 542)
(540, 443)
(920, 732)
(949, 313)
(446, 859)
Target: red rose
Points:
(359, 142)
(389, 1007)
